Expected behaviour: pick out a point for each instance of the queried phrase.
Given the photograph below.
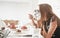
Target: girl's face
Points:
(37, 15)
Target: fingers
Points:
(30, 16)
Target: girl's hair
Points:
(47, 9)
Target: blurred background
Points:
(19, 9)
(15, 12)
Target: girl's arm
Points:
(52, 28)
(43, 32)
(32, 19)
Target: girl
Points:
(49, 22)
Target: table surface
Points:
(23, 34)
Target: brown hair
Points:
(46, 9)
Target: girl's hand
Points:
(30, 16)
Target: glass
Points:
(37, 14)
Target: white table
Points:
(14, 34)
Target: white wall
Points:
(55, 5)
(17, 10)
